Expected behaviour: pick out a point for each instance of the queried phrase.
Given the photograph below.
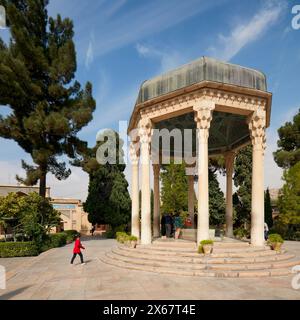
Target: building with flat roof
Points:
(73, 216)
(20, 189)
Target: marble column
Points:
(135, 216)
(229, 162)
(203, 117)
(145, 140)
(191, 204)
(156, 209)
(257, 124)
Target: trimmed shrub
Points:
(133, 238)
(122, 237)
(112, 233)
(54, 240)
(71, 235)
(204, 242)
(275, 238)
(18, 249)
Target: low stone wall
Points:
(191, 234)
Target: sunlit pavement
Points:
(50, 276)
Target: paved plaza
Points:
(50, 276)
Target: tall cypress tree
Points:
(48, 107)
(174, 193)
(216, 200)
(268, 209)
(243, 181)
(108, 200)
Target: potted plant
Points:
(275, 241)
(121, 237)
(133, 241)
(206, 246)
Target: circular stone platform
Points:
(229, 259)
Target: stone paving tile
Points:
(52, 277)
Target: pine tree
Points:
(288, 153)
(48, 108)
(268, 209)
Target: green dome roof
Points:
(202, 69)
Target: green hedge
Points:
(18, 249)
(54, 240)
(71, 234)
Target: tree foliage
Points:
(243, 181)
(174, 191)
(288, 153)
(289, 200)
(32, 216)
(216, 201)
(268, 209)
(37, 71)
(108, 200)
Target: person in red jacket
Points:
(77, 250)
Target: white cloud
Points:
(145, 19)
(169, 59)
(245, 33)
(115, 7)
(76, 186)
(89, 57)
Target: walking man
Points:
(77, 250)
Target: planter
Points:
(133, 244)
(276, 246)
(207, 248)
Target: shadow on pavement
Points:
(11, 294)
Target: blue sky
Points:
(121, 43)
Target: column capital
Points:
(257, 127)
(134, 153)
(145, 130)
(203, 116)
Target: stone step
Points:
(200, 273)
(204, 265)
(190, 244)
(194, 249)
(201, 258)
(194, 254)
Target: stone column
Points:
(156, 213)
(203, 117)
(145, 139)
(229, 161)
(191, 205)
(257, 124)
(135, 216)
